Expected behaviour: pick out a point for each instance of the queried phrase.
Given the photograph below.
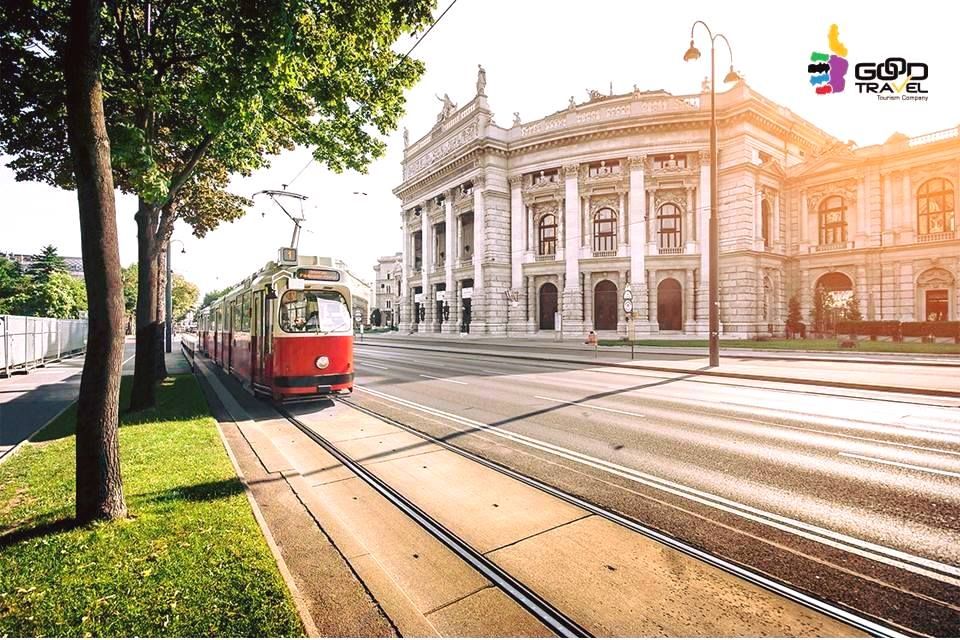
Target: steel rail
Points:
(546, 613)
(866, 625)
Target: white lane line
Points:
(591, 406)
(941, 472)
(893, 557)
(367, 364)
(423, 375)
(499, 373)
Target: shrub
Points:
(943, 329)
(872, 328)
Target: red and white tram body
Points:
(286, 331)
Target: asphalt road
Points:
(849, 495)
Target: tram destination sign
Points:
(327, 275)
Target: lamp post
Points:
(714, 249)
(169, 296)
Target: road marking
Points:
(894, 557)
(423, 375)
(499, 373)
(375, 366)
(941, 472)
(591, 406)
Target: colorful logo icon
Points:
(828, 70)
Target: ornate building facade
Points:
(388, 279)
(542, 226)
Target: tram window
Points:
(245, 317)
(314, 311)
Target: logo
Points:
(828, 70)
(892, 79)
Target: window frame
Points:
(828, 231)
(671, 238)
(544, 242)
(605, 239)
(947, 202)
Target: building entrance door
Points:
(669, 305)
(937, 306)
(548, 306)
(605, 306)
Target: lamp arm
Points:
(694, 26)
(729, 48)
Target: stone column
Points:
(906, 225)
(639, 214)
(863, 225)
(621, 225)
(802, 223)
(427, 267)
(531, 232)
(572, 308)
(588, 302)
(652, 288)
(531, 304)
(516, 316)
(690, 215)
(757, 209)
(477, 305)
(406, 259)
(651, 215)
(689, 300)
(621, 316)
(776, 220)
(703, 300)
(888, 222)
(451, 324)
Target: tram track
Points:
(869, 626)
(538, 607)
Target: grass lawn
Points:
(190, 561)
(828, 344)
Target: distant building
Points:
(360, 289)
(389, 272)
(74, 265)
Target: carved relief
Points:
(676, 196)
(935, 278)
(545, 208)
(571, 169)
(443, 150)
(604, 202)
(846, 189)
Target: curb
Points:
(696, 372)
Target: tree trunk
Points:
(161, 310)
(143, 394)
(99, 487)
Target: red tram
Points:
(286, 331)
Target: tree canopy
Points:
(184, 292)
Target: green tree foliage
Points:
(44, 289)
(794, 317)
(185, 295)
(129, 275)
(46, 263)
(852, 309)
(376, 317)
(818, 314)
(211, 296)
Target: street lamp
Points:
(714, 303)
(169, 296)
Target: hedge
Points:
(898, 330)
(889, 328)
(943, 329)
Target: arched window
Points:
(766, 223)
(605, 231)
(669, 221)
(936, 207)
(547, 235)
(833, 220)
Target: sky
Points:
(537, 53)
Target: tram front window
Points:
(313, 312)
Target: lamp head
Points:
(732, 76)
(692, 53)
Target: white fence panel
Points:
(27, 342)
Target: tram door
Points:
(234, 325)
(259, 342)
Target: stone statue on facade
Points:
(406, 137)
(594, 95)
(481, 80)
(573, 103)
(516, 118)
(448, 107)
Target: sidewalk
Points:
(570, 344)
(611, 580)
(907, 377)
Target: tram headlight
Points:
(323, 362)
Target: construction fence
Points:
(26, 342)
